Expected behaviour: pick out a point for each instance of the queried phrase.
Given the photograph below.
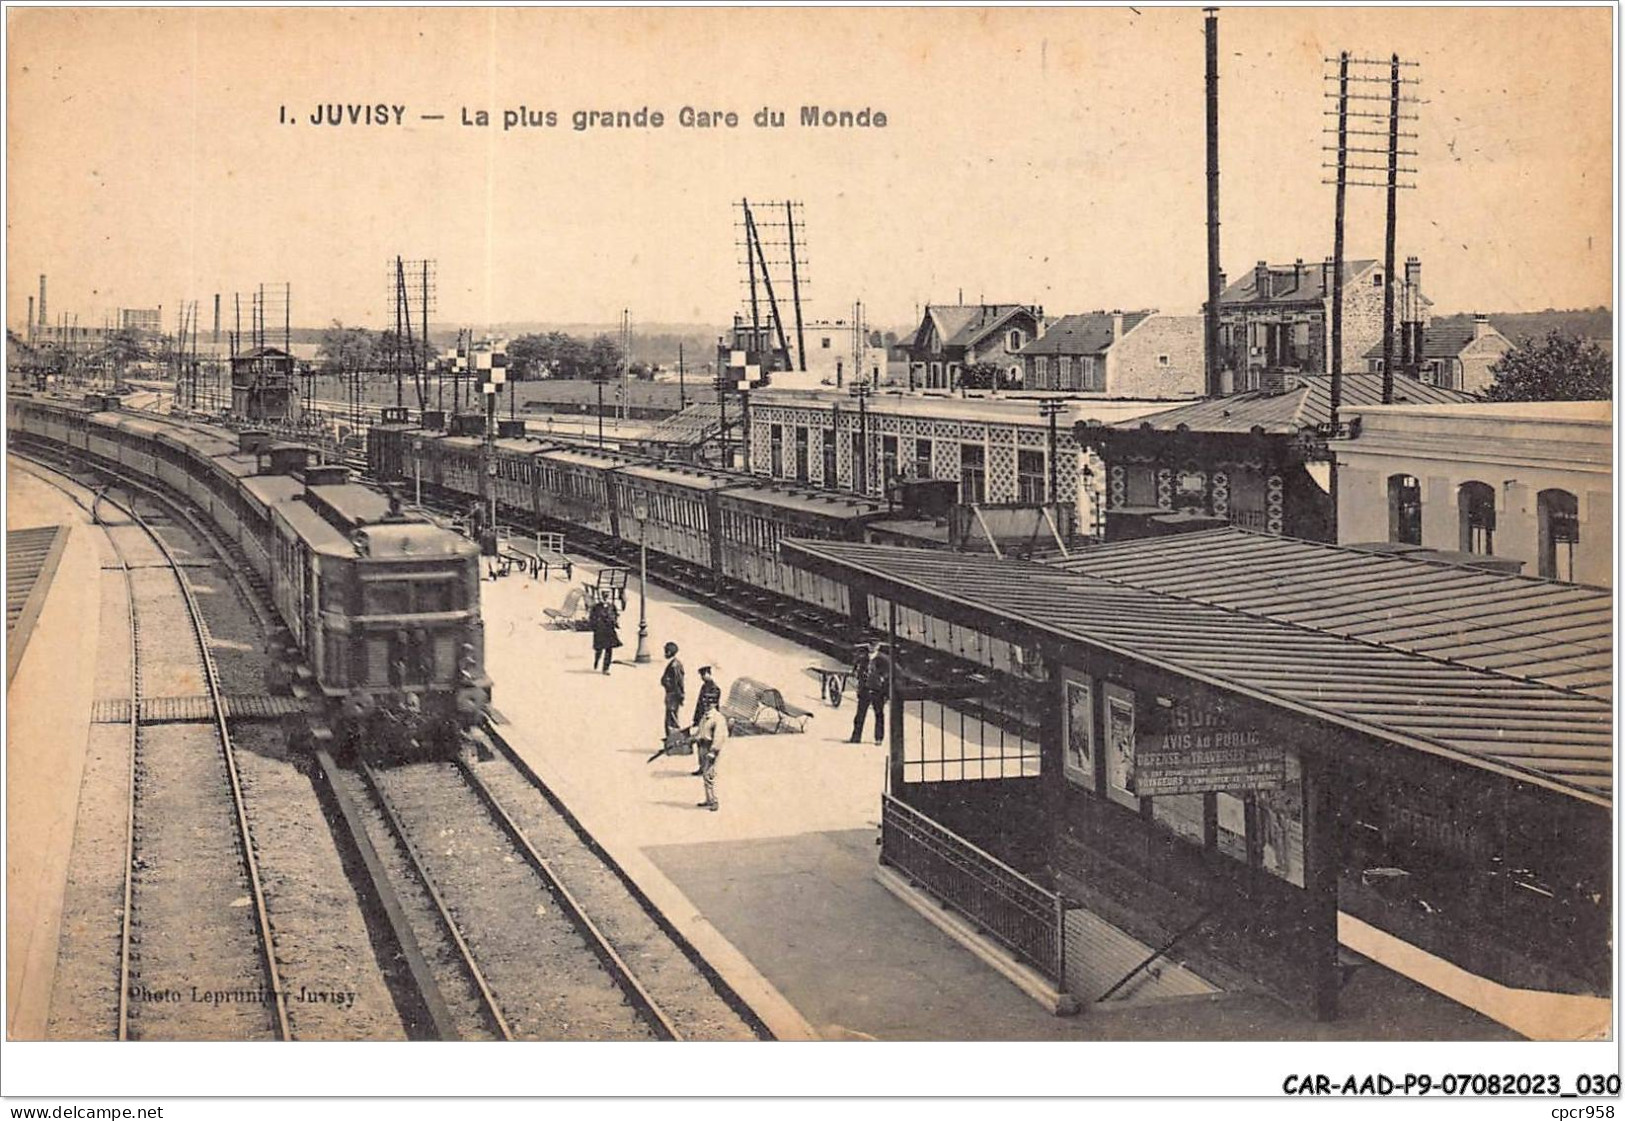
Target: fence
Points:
(1022, 916)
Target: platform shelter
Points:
(1220, 742)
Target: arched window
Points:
(1559, 513)
(1016, 339)
(1404, 510)
(1476, 504)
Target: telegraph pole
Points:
(1372, 71)
(1210, 323)
(1051, 407)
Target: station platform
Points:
(779, 887)
(48, 711)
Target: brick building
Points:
(1121, 354)
(1277, 321)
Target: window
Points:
(1476, 504)
(1094, 373)
(1041, 372)
(936, 376)
(1029, 476)
(1162, 360)
(888, 459)
(1404, 510)
(1063, 373)
(830, 478)
(1190, 490)
(775, 447)
(922, 459)
(1142, 486)
(1015, 341)
(824, 342)
(1559, 513)
(1376, 279)
(972, 473)
(803, 438)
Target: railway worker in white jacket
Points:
(710, 732)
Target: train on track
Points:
(713, 527)
(382, 607)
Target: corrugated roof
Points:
(1525, 729)
(1516, 626)
(1090, 333)
(1304, 407)
(694, 425)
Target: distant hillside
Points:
(1586, 323)
(651, 342)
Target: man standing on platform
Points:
(671, 683)
(710, 695)
(710, 733)
(874, 686)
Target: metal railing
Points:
(1010, 908)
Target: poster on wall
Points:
(1120, 745)
(1200, 745)
(1079, 762)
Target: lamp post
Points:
(641, 513)
(860, 390)
(417, 468)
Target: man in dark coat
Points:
(710, 695)
(605, 623)
(671, 683)
(874, 687)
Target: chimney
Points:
(1413, 288)
(1481, 326)
(1117, 324)
(30, 327)
(1261, 280)
(43, 318)
(1224, 280)
(1326, 277)
(1297, 274)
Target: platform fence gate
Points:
(1020, 915)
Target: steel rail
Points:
(493, 1010)
(597, 941)
(240, 812)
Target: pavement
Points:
(781, 882)
(47, 728)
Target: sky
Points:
(1046, 155)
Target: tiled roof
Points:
(1443, 338)
(1304, 407)
(1090, 333)
(1526, 729)
(964, 324)
(1305, 285)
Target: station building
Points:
(1528, 483)
(1227, 743)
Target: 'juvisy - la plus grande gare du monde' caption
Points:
(334, 114)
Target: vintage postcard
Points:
(924, 525)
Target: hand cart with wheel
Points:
(833, 681)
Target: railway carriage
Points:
(379, 602)
(755, 518)
(573, 486)
(680, 508)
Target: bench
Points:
(746, 698)
(572, 614)
(610, 585)
(550, 554)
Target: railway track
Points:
(197, 956)
(521, 927)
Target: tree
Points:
(981, 375)
(1558, 367)
(346, 349)
(603, 358)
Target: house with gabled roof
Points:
(1276, 322)
(1117, 353)
(951, 337)
(1456, 352)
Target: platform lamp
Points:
(641, 513)
(861, 390)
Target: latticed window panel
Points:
(1001, 473)
(1274, 488)
(1165, 488)
(945, 458)
(1118, 493)
(1221, 494)
(843, 453)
